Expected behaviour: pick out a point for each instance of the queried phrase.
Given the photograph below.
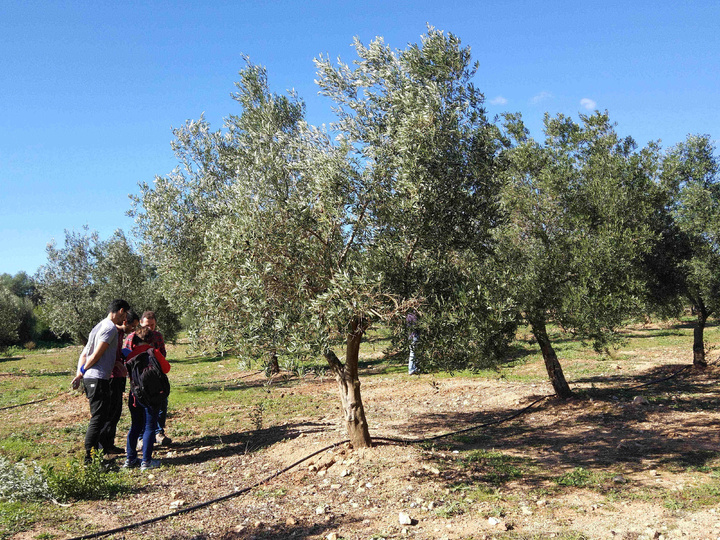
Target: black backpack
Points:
(147, 381)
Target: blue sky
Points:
(90, 90)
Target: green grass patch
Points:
(495, 468)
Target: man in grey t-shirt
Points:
(94, 368)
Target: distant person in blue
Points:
(94, 368)
(411, 321)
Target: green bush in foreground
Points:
(75, 480)
(79, 481)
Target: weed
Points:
(79, 481)
(454, 508)
(578, 477)
(257, 412)
(15, 517)
(20, 482)
(496, 468)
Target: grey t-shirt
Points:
(104, 332)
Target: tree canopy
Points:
(690, 176)
(289, 237)
(576, 229)
(81, 278)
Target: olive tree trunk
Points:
(552, 364)
(699, 337)
(273, 362)
(349, 384)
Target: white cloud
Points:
(588, 103)
(499, 101)
(542, 96)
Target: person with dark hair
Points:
(118, 382)
(143, 407)
(94, 368)
(156, 339)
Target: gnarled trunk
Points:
(552, 364)
(349, 385)
(698, 337)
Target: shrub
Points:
(77, 481)
(20, 482)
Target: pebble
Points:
(404, 519)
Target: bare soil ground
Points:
(602, 465)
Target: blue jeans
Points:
(143, 421)
(162, 415)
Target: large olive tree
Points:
(280, 236)
(576, 230)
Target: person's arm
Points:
(80, 371)
(160, 343)
(164, 364)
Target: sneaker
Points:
(113, 450)
(162, 440)
(134, 464)
(152, 464)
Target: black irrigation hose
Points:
(206, 503)
(220, 381)
(477, 426)
(281, 471)
(30, 402)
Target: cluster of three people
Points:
(102, 372)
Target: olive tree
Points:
(576, 230)
(281, 236)
(690, 175)
(82, 277)
(11, 311)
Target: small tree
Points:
(290, 239)
(81, 278)
(690, 175)
(576, 231)
(11, 311)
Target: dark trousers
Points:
(108, 431)
(98, 394)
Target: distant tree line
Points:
(72, 291)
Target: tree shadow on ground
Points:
(210, 447)
(676, 428)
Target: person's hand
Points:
(76, 382)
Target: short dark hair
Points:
(148, 315)
(132, 316)
(117, 305)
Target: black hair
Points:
(117, 305)
(131, 316)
